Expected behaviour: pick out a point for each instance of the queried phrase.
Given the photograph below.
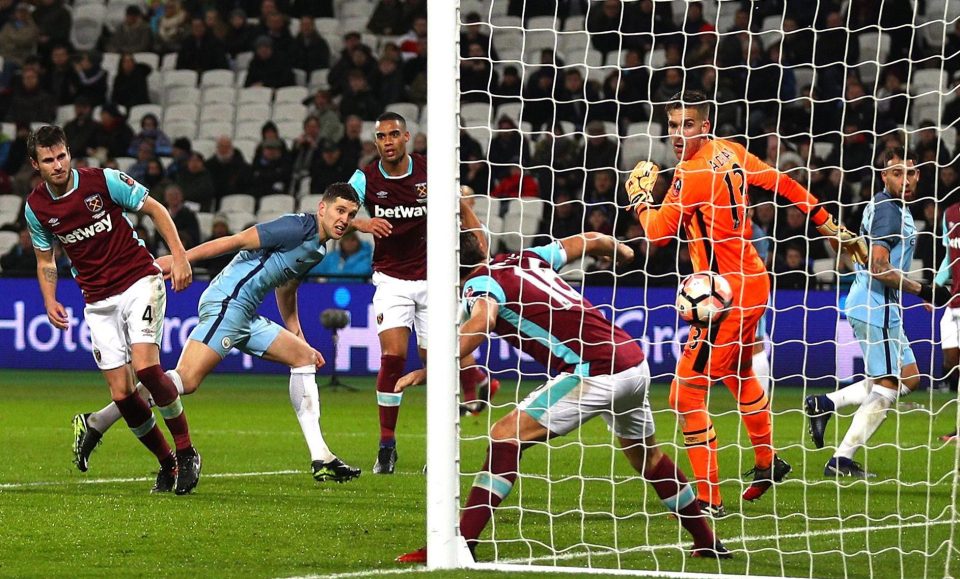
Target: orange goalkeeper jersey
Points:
(708, 198)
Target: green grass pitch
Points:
(258, 513)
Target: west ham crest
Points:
(94, 203)
(421, 190)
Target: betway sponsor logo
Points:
(81, 233)
(399, 212)
(955, 242)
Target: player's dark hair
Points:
(391, 116)
(344, 191)
(689, 99)
(471, 253)
(896, 153)
(45, 136)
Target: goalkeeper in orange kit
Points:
(707, 198)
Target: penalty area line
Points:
(95, 481)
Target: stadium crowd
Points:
(125, 79)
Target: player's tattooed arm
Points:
(882, 270)
(47, 276)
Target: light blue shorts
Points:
(226, 326)
(886, 351)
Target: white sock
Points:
(850, 395)
(761, 367)
(904, 390)
(107, 416)
(867, 420)
(305, 400)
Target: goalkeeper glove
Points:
(937, 295)
(841, 238)
(640, 185)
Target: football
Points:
(704, 298)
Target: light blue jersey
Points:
(289, 247)
(887, 224)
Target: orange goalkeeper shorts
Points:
(721, 350)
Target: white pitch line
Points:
(93, 481)
(521, 565)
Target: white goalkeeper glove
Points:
(842, 239)
(640, 185)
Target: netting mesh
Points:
(559, 101)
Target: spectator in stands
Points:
(172, 27)
(272, 171)
(92, 77)
(832, 50)
(948, 190)
(133, 34)
(606, 24)
(351, 260)
(474, 170)
(215, 24)
(231, 173)
(180, 153)
(82, 128)
(30, 103)
(240, 34)
(601, 150)
(668, 82)
(201, 51)
(321, 106)
(477, 76)
(197, 184)
(559, 160)
(148, 240)
(410, 41)
(931, 153)
(420, 143)
(601, 192)
(268, 132)
(798, 42)
(130, 83)
(566, 218)
(276, 29)
(266, 69)
(358, 99)
(473, 30)
(510, 87)
(598, 219)
(60, 78)
(351, 145)
(309, 51)
(113, 136)
(576, 99)
(387, 18)
(19, 36)
(21, 260)
(951, 111)
(54, 23)
(951, 50)
(892, 103)
(390, 84)
(188, 227)
(345, 62)
(792, 271)
(17, 165)
(508, 144)
(517, 183)
(144, 154)
(305, 148)
(415, 75)
(368, 154)
(413, 9)
(155, 178)
(219, 228)
(151, 133)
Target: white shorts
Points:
(132, 317)
(567, 401)
(401, 303)
(950, 329)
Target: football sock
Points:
(904, 391)
(470, 378)
(163, 389)
(867, 420)
(491, 485)
(690, 403)
(388, 401)
(103, 419)
(675, 494)
(305, 400)
(761, 367)
(755, 413)
(138, 417)
(849, 395)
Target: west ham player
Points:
(85, 209)
(599, 370)
(873, 308)
(949, 276)
(394, 192)
(707, 198)
(274, 255)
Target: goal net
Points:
(557, 101)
